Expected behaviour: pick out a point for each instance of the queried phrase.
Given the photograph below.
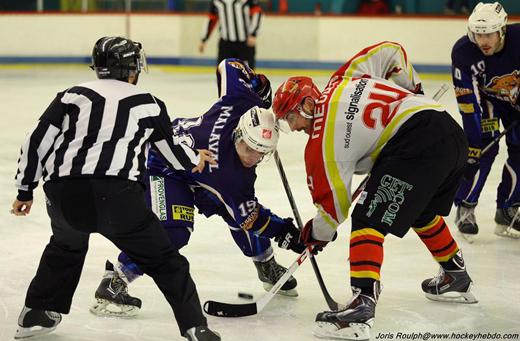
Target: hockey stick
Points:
(221, 309)
(333, 305)
(470, 237)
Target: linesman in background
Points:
(239, 21)
(486, 76)
(90, 147)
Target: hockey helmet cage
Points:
(259, 129)
(487, 18)
(291, 94)
(117, 57)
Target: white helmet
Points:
(487, 18)
(259, 130)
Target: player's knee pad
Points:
(249, 243)
(179, 235)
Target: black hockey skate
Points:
(508, 222)
(450, 285)
(201, 334)
(112, 298)
(466, 221)
(34, 322)
(354, 321)
(269, 272)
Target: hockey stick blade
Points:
(221, 309)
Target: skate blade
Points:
(355, 331)
(105, 308)
(506, 231)
(290, 293)
(455, 297)
(470, 238)
(25, 333)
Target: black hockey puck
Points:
(245, 295)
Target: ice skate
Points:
(33, 322)
(466, 221)
(201, 334)
(269, 272)
(112, 298)
(450, 285)
(508, 222)
(351, 323)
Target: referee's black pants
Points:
(116, 209)
(236, 49)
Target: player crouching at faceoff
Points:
(488, 57)
(415, 154)
(240, 132)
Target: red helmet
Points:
(291, 94)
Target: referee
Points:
(239, 21)
(90, 147)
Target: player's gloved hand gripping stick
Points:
(472, 164)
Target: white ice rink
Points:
(218, 267)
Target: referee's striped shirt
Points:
(99, 129)
(237, 19)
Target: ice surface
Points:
(218, 267)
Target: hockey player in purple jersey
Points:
(240, 132)
(486, 75)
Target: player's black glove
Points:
(306, 237)
(262, 87)
(472, 164)
(289, 238)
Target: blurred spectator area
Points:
(435, 7)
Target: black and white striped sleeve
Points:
(211, 23)
(255, 11)
(179, 155)
(36, 146)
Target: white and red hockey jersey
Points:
(358, 112)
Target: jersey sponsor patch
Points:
(467, 108)
(490, 125)
(180, 212)
(462, 91)
(158, 197)
(390, 192)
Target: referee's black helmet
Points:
(117, 58)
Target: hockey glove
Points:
(306, 237)
(289, 239)
(262, 86)
(472, 164)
